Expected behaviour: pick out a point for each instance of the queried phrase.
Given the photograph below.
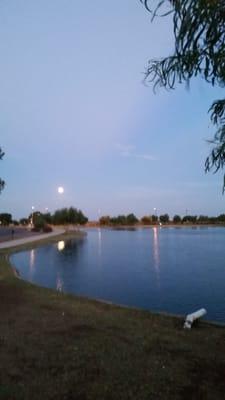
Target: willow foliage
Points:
(199, 32)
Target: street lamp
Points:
(99, 214)
(32, 216)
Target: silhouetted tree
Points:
(199, 35)
(69, 216)
(189, 219)
(131, 219)
(221, 218)
(164, 218)
(203, 219)
(38, 221)
(15, 222)
(5, 218)
(155, 219)
(146, 220)
(177, 219)
(120, 220)
(24, 221)
(104, 220)
(47, 217)
(81, 218)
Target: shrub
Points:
(47, 229)
(39, 224)
(146, 220)
(177, 219)
(35, 229)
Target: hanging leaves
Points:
(199, 50)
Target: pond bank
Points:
(63, 346)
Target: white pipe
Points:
(190, 318)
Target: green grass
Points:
(56, 346)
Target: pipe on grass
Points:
(190, 318)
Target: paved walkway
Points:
(18, 242)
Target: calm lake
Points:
(176, 270)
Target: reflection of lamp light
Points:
(99, 242)
(32, 261)
(32, 258)
(155, 246)
(61, 245)
(59, 284)
(156, 257)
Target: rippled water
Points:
(176, 270)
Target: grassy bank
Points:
(56, 346)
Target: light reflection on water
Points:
(32, 265)
(172, 270)
(99, 242)
(156, 253)
(61, 245)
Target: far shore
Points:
(169, 225)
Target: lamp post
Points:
(32, 216)
(99, 215)
(60, 191)
(155, 213)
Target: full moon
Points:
(60, 189)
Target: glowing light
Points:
(61, 245)
(60, 190)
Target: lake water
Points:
(176, 270)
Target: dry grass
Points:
(55, 346)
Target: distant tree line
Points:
(63, 216)
(164, 219)
(129, 219)
(74, 216)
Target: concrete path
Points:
(18, 242)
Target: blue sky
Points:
(75, 113)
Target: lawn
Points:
(58, 346)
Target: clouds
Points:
(129, 150)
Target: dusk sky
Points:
(74, 113)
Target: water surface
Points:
(176, 270)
